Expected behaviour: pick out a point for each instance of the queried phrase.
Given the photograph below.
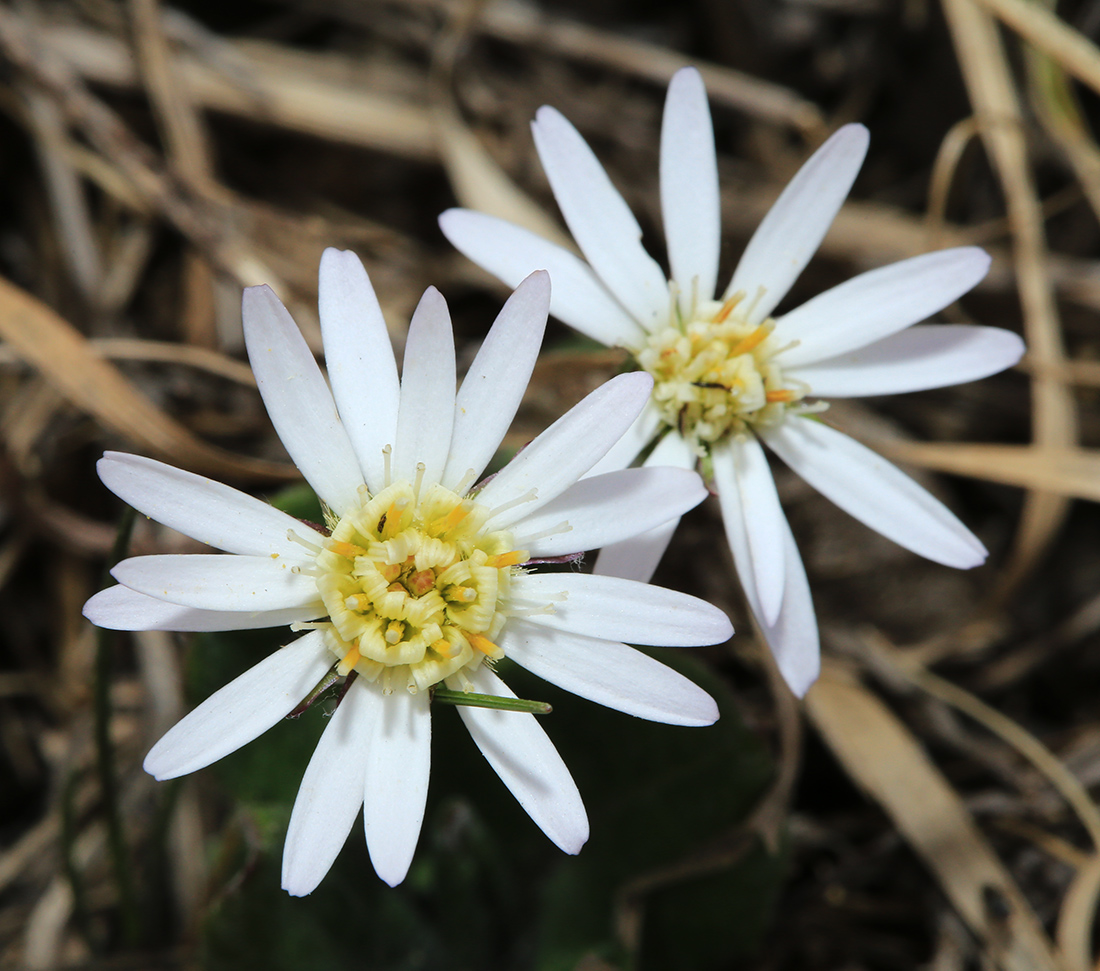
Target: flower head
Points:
(419, 578)
(728, 374)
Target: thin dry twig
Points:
(996, 106)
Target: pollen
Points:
(416, 585)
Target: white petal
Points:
(623, 610)
(874, 491)
(637, 558)
(641, 432)
(396, 784)
(425, 416)
(793, 638)
(243, 710)
(510, 253)
(601, 222)
(794, 227)
(568, 448)
(878, 303)
(330, 795)
(120, 608)
(921, 357)
(298, 400)
(690, 204)
(609, 508)
(742, 465)
(359, 358)
(496, 382)
(209, 511)
(210, 581)
(610, 674)
(523, 756)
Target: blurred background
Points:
(930, 804)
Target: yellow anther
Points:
(508, 559)
(442, 647)
(391, 519)
(394, 632)
(349, 661)
(746, 344)
(356, 602)
(482, 643)
(727, 307)
(452, 519)
(347, 550)
(784, 395)
(466, 595)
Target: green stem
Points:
(68, 859)
(105, 757)
(447, 697)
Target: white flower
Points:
(728, 375)
(420, 580)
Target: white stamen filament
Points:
(302, 541)
(528, 496)
(464, 485)
(562, 527)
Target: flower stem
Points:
(105, 756)
(447, 697)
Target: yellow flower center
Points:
(415, 586)
(716, 375)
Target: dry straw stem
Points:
(279, 86)
(159, 352)
(889, 764)
(1073, 473)
(193, 216)
(1052, 35)
(64, 358)
(477, 180)
(180, 125)
(1074, 930)
(990, 85)
(528, 27)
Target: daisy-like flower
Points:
(418, 580)
(730, 376)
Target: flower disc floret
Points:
(717, 375)
(415, 588)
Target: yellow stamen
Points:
(746, 344)
(784, 395)
(394, 632)
(466, 595)
(448, 522)
(442, 647)
(727, 307)
(347, 550)
(482, 643)
(392, 517)
(508, 559)
(349, 661)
